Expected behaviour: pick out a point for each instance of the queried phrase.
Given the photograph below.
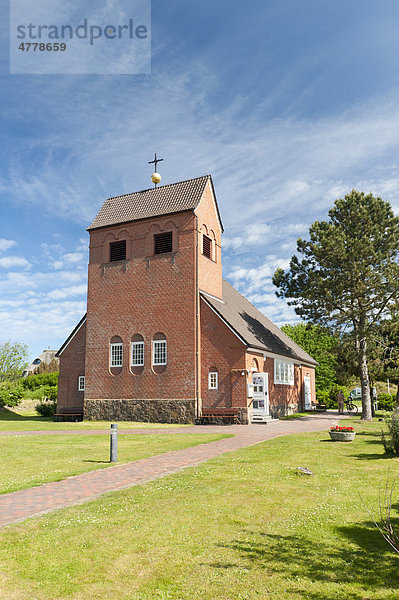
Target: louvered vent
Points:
(163, 242)
(117, 251)
(206, 246)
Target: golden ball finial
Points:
(155, 178)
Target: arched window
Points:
(116, 355)
(254, 366)
(159, 353)
(213, 379)
(137, 354)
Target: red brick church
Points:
(165, 338)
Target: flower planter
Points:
(342, 436)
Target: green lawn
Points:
(32, 460)
(242, 526)
(30, 421)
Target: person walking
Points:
(340, 402)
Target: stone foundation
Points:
(144, 410)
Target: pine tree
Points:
(349, 274)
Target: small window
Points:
(116, 355)
(213, 380)
(206, 246)
(81, 383)
(117, 251)
(163, 242)
(159, 355)
(137, 354)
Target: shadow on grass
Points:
(359, 556)
(373, 456)
(101, 462)
(9, 415)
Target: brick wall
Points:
(221, 349)
(145, 294)
(287, 399)
(209, 270)
(72, 365)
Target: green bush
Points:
(46, 409)
(35, 381)
(10, 394)
(322, 396)
(45, 391)
(386, 402)
(391, 439)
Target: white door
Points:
(307, 392)
(260, 401)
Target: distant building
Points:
(46, 357)
(165, 338)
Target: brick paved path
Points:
(18, 506)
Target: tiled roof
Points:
(175, 197)
(256, 330)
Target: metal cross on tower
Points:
(155, 161)
(156, 178)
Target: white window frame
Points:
(116, 354)
(159, 357)
(283, 372)
(135, 353)
(81, 383)
(213, 380)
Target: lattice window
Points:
(213, 380)
(116, 355)
(159, 354)
(137, 354)
(81, 383)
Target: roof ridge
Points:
(158, 188)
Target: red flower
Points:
(338, 428)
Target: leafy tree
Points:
(348, 277)
(13, 360)
(322, 346)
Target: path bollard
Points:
(113, 443)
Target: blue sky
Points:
(289, 105)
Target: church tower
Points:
(151, 254)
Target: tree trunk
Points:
(397, 397)
(361, 344)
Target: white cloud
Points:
(74, 257)
(73, 290)
(8, 262)
(6, 244)
(253, 234)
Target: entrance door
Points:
(260, 401)
(307, 392)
